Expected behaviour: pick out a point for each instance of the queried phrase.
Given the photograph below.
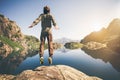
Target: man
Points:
(46, 23)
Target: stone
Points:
(59, 72)
(6, 77)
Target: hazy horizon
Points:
(75, 18)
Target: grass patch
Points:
(12, 44)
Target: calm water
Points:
(96, 64)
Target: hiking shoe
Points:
(41, 60)
(50, 60)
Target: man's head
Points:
(46, 10)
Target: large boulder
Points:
(59, 72)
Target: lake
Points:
(95, 64)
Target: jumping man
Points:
(46, 24)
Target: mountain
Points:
(114, 27)
(109, 36)
(13, 40)
(10, 29)
(64, 40)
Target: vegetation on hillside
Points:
(32, 42)
(73, 45)
(11, 43)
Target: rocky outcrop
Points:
(10, 29)
(109, 36)
(59, 72)
(73, 45)
(13, 40)
(7, 77)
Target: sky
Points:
(75, 18)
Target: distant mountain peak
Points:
(115, 22)
(64, 40)
(114, 27)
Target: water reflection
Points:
(77, 59)
(9, 64)
(94, 63)
(63, 50)
(106, 55)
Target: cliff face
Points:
(114, 27)
(13, 40)
(96, 36)
(109, 36)
(10, 29)
(59, 72)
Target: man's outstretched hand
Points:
(30, 26)
(56, 27)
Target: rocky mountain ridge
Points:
(109, 36)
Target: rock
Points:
(10, 29)
(6, 77)
(59, 72)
